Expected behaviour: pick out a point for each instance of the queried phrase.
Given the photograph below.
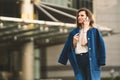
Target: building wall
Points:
(53, 53)
(108, 14)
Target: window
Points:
(37, 65)
(86, 3)
(83, 3)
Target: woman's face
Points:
(81, 17)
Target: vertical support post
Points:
(15, 63)
(27, 10)
(43, 62)
(28, 61)
(37, 1)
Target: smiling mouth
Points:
(79, 20)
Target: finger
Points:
(76, 37)
(77, 34)
(86, 22)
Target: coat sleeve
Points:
(101, 51)
(65, 51)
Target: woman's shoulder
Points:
(74, 31)
(94, 29)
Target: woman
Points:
(84, 48)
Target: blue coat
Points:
(96, 53)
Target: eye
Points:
(82, 15)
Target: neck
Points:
(85, 27)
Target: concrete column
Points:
(27, 9)
(37, 1)
(28, 61)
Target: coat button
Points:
(89, 48)
(88, 38)
(90, 58)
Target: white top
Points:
(79, 48)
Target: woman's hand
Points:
(86, 22)
(75, 39)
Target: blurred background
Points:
(33, 33)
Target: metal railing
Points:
(40, 22)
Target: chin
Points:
(80, 22)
